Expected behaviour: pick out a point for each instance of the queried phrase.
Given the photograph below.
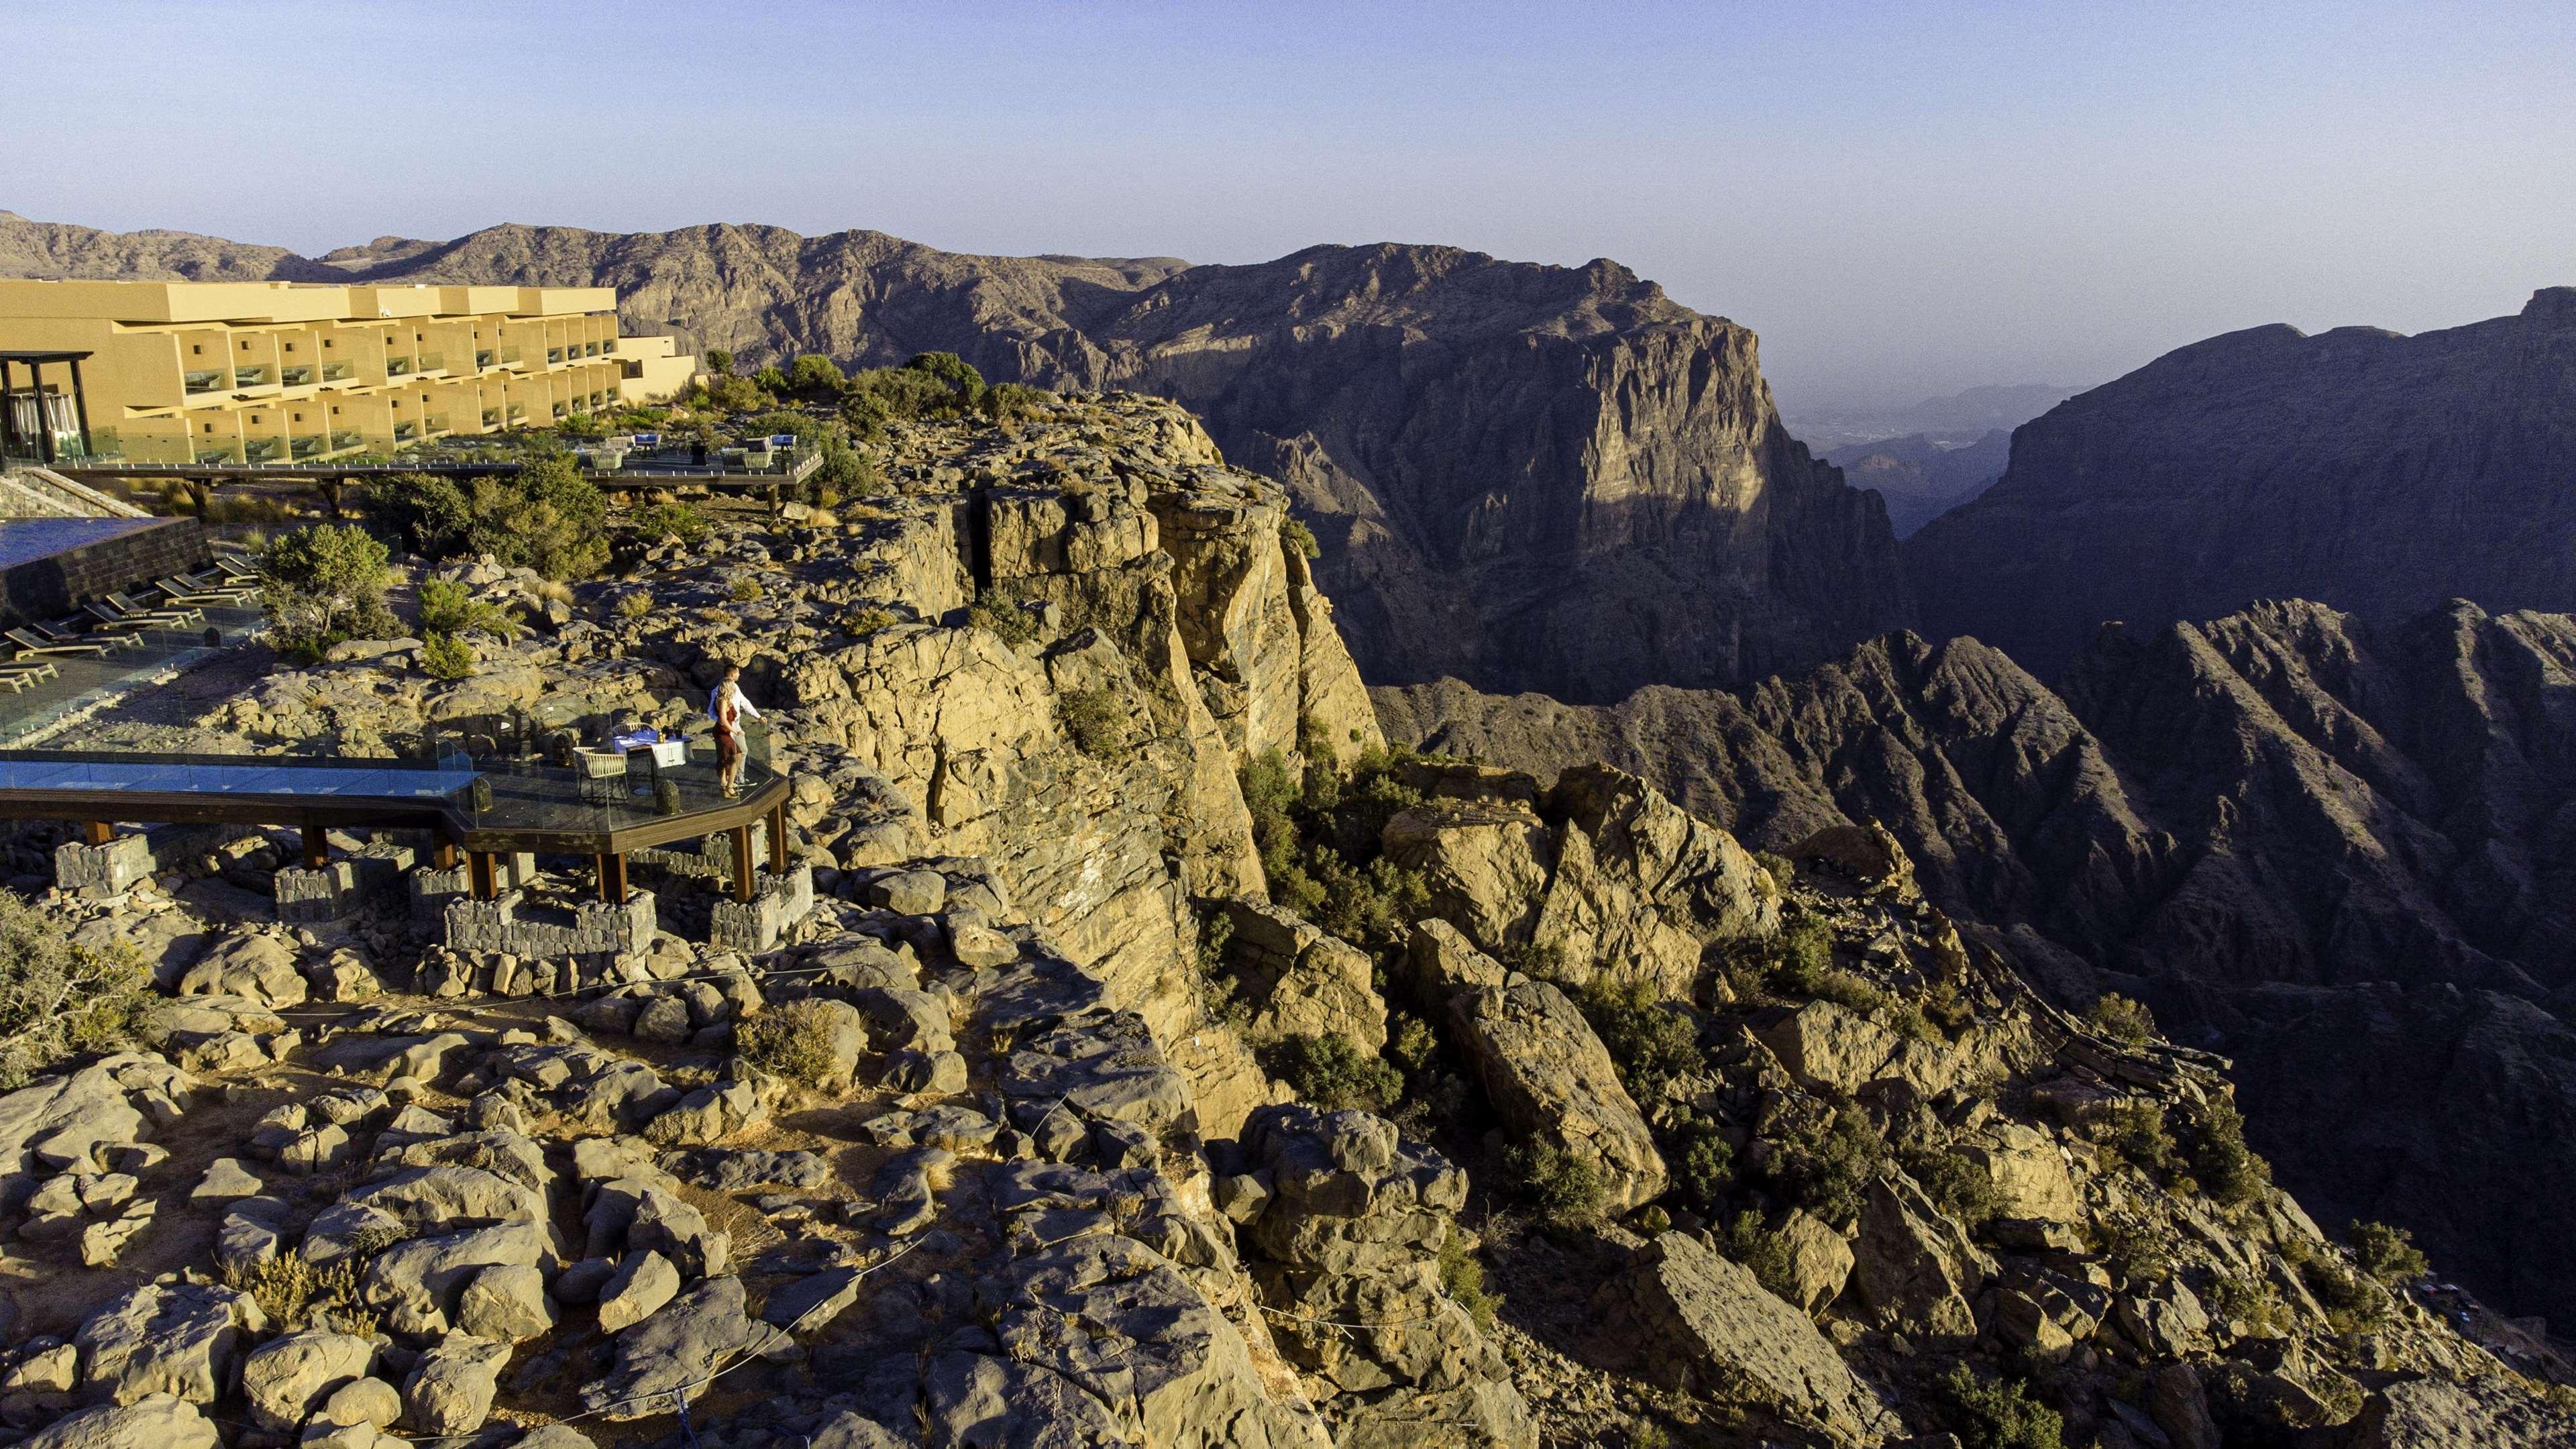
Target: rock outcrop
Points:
(2372, 472)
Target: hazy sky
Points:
(1902, 199)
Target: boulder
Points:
(675, 1348)
(1914, 1267)
(1549, 1078)
(255, 967)
(506, 1302)
(1299, 981)
(285, 1379)
(450, 1390)
(1687, 1318)
(644, 1282)
(1820, 1259)
(1486, 864)
(155, 1421)
(181, 1339)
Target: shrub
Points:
(2121, 1019)
(1565, 1190)
(323, 585)
(669, 523)
(1649, 1041)
(548, 518)
(449, 607)
(1996, 1413)
(797, 425)
(794, 1040)
(1705, 1169)
(1331, 1073)
(1009, 402)
(59, 998)
(810, 373)
(2353, 1303)
(582, 426)
(430, 513)
(1097, 721)
(634, 605)
(1782, 870)
(1765, 1254)
(1462, 1277)
(1374, 905)
(740, 394)
(745, 590)
(1956, 1186)
(1009, 620)
(2387, 1254)
(2249, 1300)
(862, 622)
(1828, 1171)
(959, 374)
(1296, 535)
(444, 656)
(770, 380)
(2228, 1170)
(719, 361)
(2134, 1252)
(845, 473)
(298, 1296)
(2135, 1133)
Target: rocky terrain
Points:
(1529, 477)
(2378, 473)
(2330, 851)
(1920, 478)
(1003, 1144)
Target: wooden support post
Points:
(317, 846)
(443, 855)
(741, 862)
(99, 832)
(612, 879)
(778, 838)
(478, 876)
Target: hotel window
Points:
(195, 350)
(299, 417)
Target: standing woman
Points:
(727, 706)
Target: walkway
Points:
(85, 681)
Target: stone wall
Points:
(98, 557)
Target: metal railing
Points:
(214, 452)
(261, 450)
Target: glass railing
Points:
(491, 417)
(553, 355)
(214, 381)
(405, 432)
(397, 367)
(297, 375)
(483, 357)
(304, 448)
(255, 375)
(345, 438)
(339, 371)
(518, 411)
(559, 410)
(214, 452)
(433, 362)
(261, 450)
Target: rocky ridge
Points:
(1531, 477)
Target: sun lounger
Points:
(77, 630)
(32, 672)
(23, 643)
(184, 613)
(173, 592)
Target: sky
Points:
(1903, 200)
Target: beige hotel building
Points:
(274, 372)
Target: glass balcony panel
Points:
(484, 357)
(301, 448)
(214, 381)
(339, 371)
(261, 450)
(491, 417)
(214, 452)
(559, 409)
(296, 375)
(518, 410)
(554, 355)
(397, 367)
(254, 375)
(435, 422)
(405, 432)
(345, 438)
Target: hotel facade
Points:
(278, 372)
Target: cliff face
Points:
(2335, 852)
(1529, 477)
(2377, 473)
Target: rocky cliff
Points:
(2328, 849)
(2378, 473)
(1526, 476)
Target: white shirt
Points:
(716, 703)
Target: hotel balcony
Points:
(254, 374)
(397, 367)
(302, 448)
(215, 380)
(262, 450)
(339, 371)
(434, 423)
(296, 374)
(406, 432)
(343, 439)
(484, 357)
(492, 417)
(212, 450)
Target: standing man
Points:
(727, 707)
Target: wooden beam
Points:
(741, 861)
(478, 876)
(443, 855)
(612, 879)
(99, 832)
(317, 846)
(778, 838)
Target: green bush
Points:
(1649, 1041)
(1564, 1190)
(1096, 719)
(1010, 402)
(1296, 535)
(2387, 1254)
(1782, 870)
(1763, 1253)
(862, 622)
(547, 517)
(634, 605)
(2135, 1133)
(846, 472)
(1331, 1073)
(959, 374)
(444, 656)
(770, 380)
(797, 425)
(324, 585)
(2121, 1019)
(812, 374)
(1462, 1277)
(719, 361)
(745, 590)
(794, 1039)
(2353, 1303)
(2228, 1170)
(1828, 1171)
(60, 998)
(669, 523)
(431, 514)
(2134, 1252)
(2249, 1300)
(1996, 1413)
(1008, 620)
(1705, 1169)
(447, 606)
(738, 394)
(582, 426)
(1955, 1185)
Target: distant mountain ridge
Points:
(1961, 417)
(2376, 472)
(1922, 479)
(1533, 477)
